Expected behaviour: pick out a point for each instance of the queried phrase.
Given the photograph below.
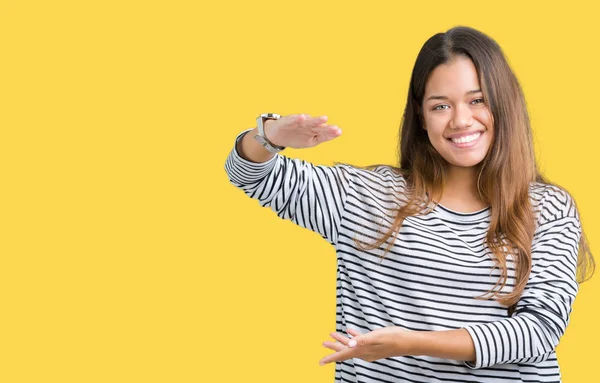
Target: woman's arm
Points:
(449, 344)
(252, 150)
(310, 196)
(394, 341)
(529, 336)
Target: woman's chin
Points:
(465, 162)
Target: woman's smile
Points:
(467, 141)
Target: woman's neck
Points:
(460, 190)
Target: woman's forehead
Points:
(457, 77)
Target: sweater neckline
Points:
(463, 217)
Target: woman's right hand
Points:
(300, 131)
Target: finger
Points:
(353, 332)
(306, 121)
(292, 117)
(340, 338)
(311, 123)
(316, 121)
(356, 337)
(335, 346)
(326, 133)
(296, 119)
(325, 128)
(303, 118)
(327, 136)
(337, 357)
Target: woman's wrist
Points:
(271, 134)
(251, 150)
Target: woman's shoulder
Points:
(380, 173)
(377, 179)
(551, 202)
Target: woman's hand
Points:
(377, 344)
(300, 131)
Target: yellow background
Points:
(126, 255)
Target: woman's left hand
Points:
(377, 344)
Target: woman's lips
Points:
(467, 144)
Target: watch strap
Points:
(261, 137)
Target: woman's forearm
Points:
(447, 344)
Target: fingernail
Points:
(352, 343)
(321, 364)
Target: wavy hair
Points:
(505, 173)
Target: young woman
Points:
(462, 264)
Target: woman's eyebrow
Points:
(434, 97)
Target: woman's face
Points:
(458, 121)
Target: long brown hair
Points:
(505, 173)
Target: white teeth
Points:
(463, 140)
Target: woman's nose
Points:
(463, 117)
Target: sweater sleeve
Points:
(541, 316)
(311, 196)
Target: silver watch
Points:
(260, 137)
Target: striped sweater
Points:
(437, 265)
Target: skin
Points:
(451, 108)
(297, 131)
(393, 341)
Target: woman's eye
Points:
(440, 107)
(477, 101)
